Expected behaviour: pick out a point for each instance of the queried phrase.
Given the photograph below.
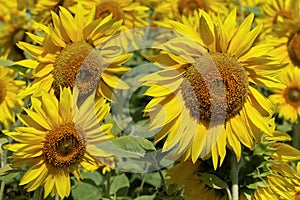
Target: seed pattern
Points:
(209, 90)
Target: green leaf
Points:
(256, 185)
(6, 63)
(5, 170)
(119, 185)
(127, 146)
(145, 197)
(153, 178)
(3, 140)
(213, 181)
(84, 190)
(285, 126)
(8, 174)
(95, 176)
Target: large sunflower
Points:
(9, 89)
(73, 51)
(205, 98)
(286, 96)
(282, 26)
(58, 138)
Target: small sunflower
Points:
(133, 13)
(286, 96)
(282, 26)
(277, 12)
(9, 89)
(58, 138)
(187, 7)
(42, 9)
(194, 188)
(162, 10)
(205, 98)
(13, 24)
(73, 51)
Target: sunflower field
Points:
(150, 99)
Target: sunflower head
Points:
(10, 87)
(189, 6)
(76, 50)
(207, 86)
(60, 137)
(64, 146)
(106, 8)
(294, 48)
(14, 24)
(84, 69)
(132, 13)
(286, 94)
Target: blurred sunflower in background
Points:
(286, 96)
(274, 13)
(73, 51)
(282, 24)
(13, 24)
(168, 9)
(190, 181)
(58, 138)
(132, 13)
(187, 7)
(41, 10)
(205, 97)
(9, 100)
(161, 11)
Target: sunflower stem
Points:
(108, 183)
(37, 195)
(57, 197)
(296, 134)
(235, 178)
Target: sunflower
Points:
(271, 178)
(133, 13)
(58, 138)
(275, 13)
(194, 188)
(282, 26)
(286, 96)
(73, 51)
(42, 9)
(187, 7)
(283, 181)
(162, 10)
(13, 25)
(9, 89)
(205, 97)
